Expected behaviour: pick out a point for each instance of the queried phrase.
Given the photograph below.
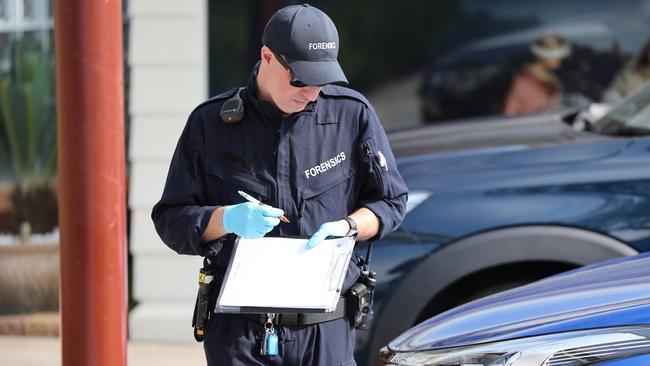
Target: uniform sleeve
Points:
(384, 191)
(181, 216)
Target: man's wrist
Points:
(224, 220)
(215, 228)
(352, 230)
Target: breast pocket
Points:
(327, 197)
(224, 182)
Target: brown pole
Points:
(91, 156)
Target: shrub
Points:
(28, 136)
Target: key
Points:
(263, 343)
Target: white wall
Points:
(169, 77)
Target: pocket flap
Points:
(240, 180)
(328, 180)
(327, 121)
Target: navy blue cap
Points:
(308, 40)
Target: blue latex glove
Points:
(332, 228)
(250, 220)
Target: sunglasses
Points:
(294, 82)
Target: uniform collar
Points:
(266, 107)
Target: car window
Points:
(641, 119)
(633, 112)
(493, 44)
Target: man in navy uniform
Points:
(312, 151)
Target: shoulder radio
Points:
(232, 110)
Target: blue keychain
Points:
(271, 343)
(269, 346)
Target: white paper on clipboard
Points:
(275, 274)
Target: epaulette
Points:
(341, 91)
(219, 97)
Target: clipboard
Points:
(281, 275)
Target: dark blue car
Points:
(497, 203)
(597, 315)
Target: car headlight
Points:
(561, 349)
(415, 199)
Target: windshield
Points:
(630, 117)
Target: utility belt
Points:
(292, 319)
(355, 305)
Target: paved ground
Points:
(46, 351)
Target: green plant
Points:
(28, 134)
